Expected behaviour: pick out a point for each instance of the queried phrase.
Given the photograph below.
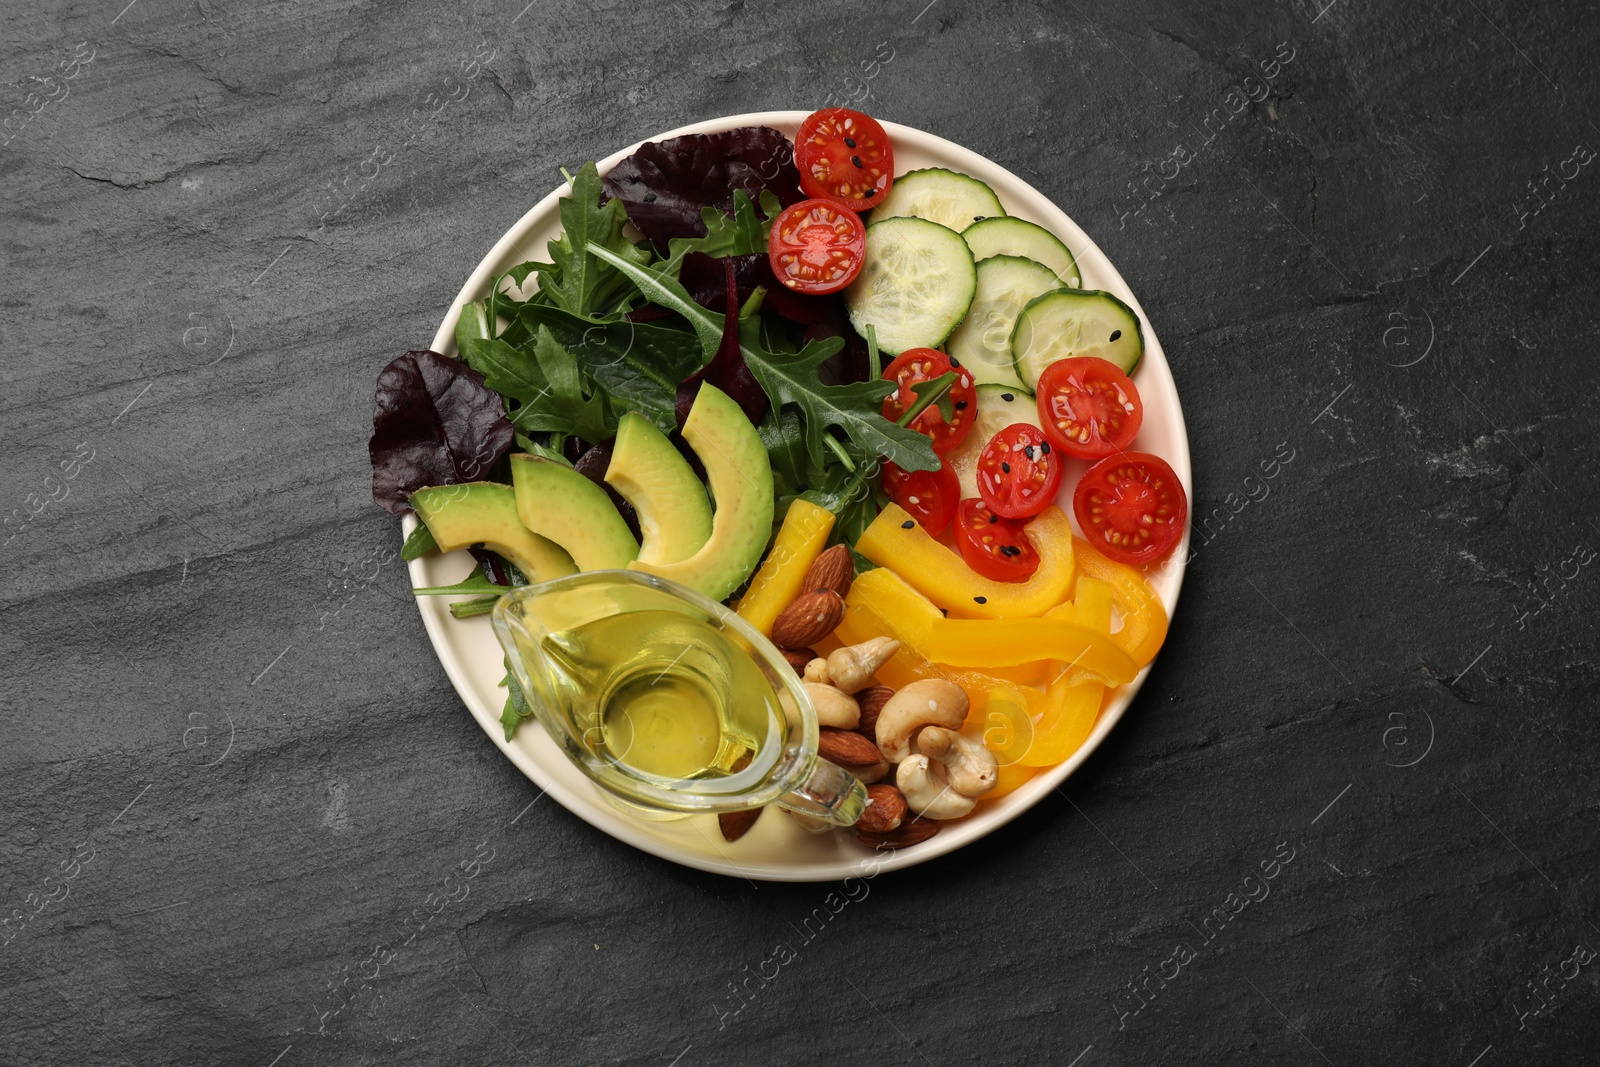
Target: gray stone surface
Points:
(232, 767)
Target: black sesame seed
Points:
(649, 198)
(955, 363)
(993, 519)
(849, 142)
(980, 600)
(1044, 449)
(907, 525)
(856, 160)
(870, 193)
(1115, 334)
(1028, 451)
(1008, 397)
(1005, 467)
(979, 218)
(1010, 550)
(961, 405)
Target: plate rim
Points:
(610, 820)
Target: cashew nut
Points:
(970, 768)
(851, 668)
(816, 671)
(928, 792)
(928, 702)
(833, 707)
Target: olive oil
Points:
(664, 695)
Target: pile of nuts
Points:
(871, 730)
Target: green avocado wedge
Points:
(740, 474)
(485, 513)
(674, 511)
(557, 502)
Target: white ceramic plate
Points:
(777, 849)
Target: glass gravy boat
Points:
(667, 700)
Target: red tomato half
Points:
(1018, 474)
(930, 496)
(917, 365)
(1088, 407)
(817, 247)
(994, 547)
(1132, 507)
(845, 156)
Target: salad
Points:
(838, 398)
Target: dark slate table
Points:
(1350, 819)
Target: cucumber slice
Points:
(944, 196)
(1075, 322)
(915, 285)
(1017, 237)
(999, 406)
(982, 343)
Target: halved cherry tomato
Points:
(930, 496)
(817, 247)
(845, 156)
(1131, 507)
(1018, 474)
(917, 365)
(1088, 407)
(992, 546)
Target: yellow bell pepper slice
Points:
(895, 541)
(1011, 776)
(1144, 618)
(799, 542)
(1070, 709)
(989, 642)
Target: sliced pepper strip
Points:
(987, 642)
(895, 541)
(1144, 618)
(800, 539)
(1070, 709)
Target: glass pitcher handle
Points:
(832, 794)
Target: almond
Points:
(799, 657)
(885, 811)
(735, 824)
(808, 620)
(872, 701)
(846, 748)
(835, 569)
(911, 832)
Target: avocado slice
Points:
(485, 513)
(557, 502)
(740, 474)
(674, 511)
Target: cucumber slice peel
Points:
(1011, 236)
(915, 286)
(1075, 322)
(982, 343)
(947, 197)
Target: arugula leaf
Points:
(574, 280)
(418, 543)
(931, 392)
(516, 708)
(741, 234)
(534, 448)
(792, 380)
(638, 363)
(471, 609)
(476, 582)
